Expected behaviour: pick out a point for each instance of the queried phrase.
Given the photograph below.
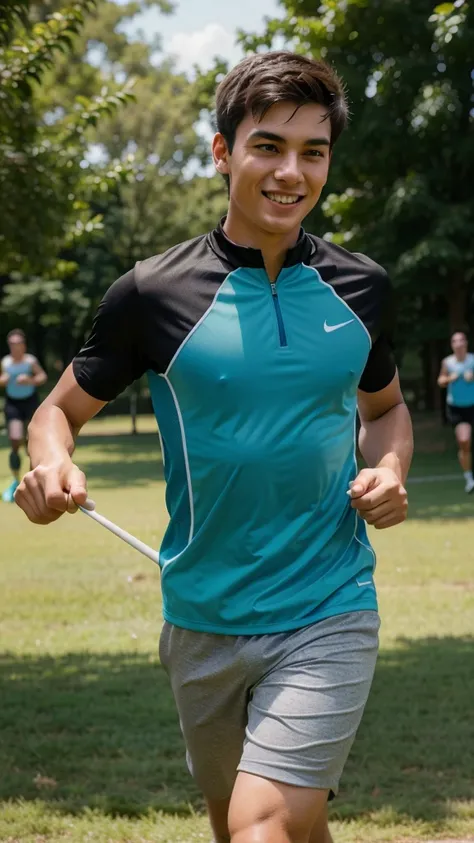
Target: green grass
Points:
(90, 748)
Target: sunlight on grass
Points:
(91, 747)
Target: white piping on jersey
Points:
(161, 446)
(349, 308)
(365, 546)
(186, 463)
(198, 323)
(165, 377)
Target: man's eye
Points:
(315, 153)
(267, 147)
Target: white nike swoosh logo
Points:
(329, 328)
(366, 582)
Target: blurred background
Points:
(105, 124)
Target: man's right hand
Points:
(48, 491)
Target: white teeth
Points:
(283, 200)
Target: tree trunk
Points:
(133, 407)
(457, 304)
(430, 358)
(434, 372)
(38, 331)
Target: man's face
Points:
(459, 343)
(17, 346)
(278, 166)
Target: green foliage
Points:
(45, 191)
(73, 226)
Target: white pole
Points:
(89, 509)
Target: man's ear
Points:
(220, 154)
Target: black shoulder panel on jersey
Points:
(380, 368)
(112, 356)
(175, 291)
(145, 316)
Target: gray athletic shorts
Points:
(284, 706)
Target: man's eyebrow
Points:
(261, 133)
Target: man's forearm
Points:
(445, 379)
(388, 441)
(51, 436)
(39, 379)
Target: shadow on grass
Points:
(411, 754)
(101, 731)
(127, 460)
(87, 730)
(440, 499)
(123, 459)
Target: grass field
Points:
(90, 748)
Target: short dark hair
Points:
(262, 80)
(16, 332)
(464, 333)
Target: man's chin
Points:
(274, 225)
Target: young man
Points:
(259, 341)
(20, 374)
(457, 376)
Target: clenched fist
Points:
(48, 491)
(379, 497)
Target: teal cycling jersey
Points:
(13, 369)
(254, 387)
(460, 393)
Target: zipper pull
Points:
(273, 286)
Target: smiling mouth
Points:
(282, 199)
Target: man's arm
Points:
(386, 443)
(445, 377)
(39, 376)
(4, 376)
(386, 435)
(55, 484)
(54, 427)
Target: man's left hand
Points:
(379, 497)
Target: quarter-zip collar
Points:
(245, 256)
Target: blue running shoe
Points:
(8, 495)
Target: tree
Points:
(402, 175)
(44, 190)
(158, 203)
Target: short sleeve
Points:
(380, 368)
(112, 357)
(381, 365)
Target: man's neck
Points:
(461, 356)
(272, 246)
